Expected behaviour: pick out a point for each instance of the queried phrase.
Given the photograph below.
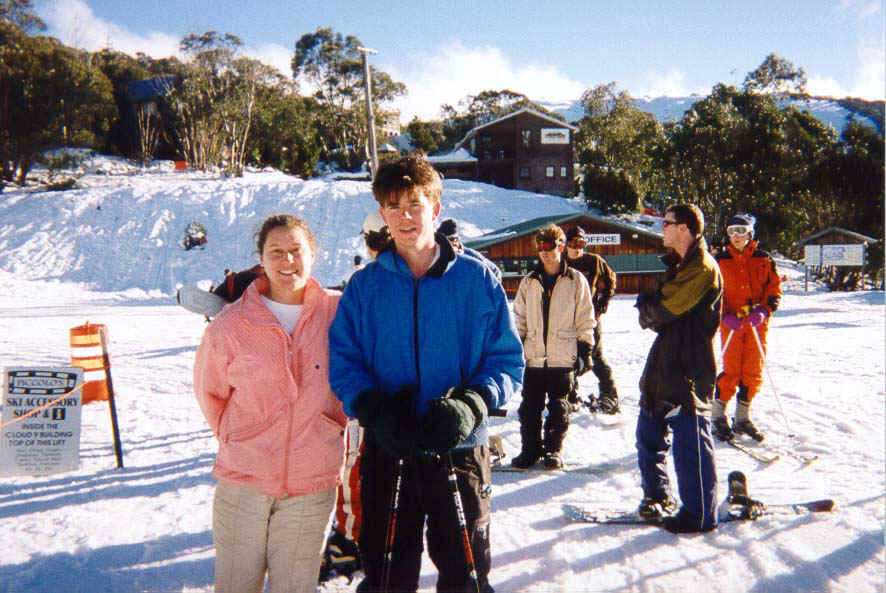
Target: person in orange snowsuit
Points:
(752, 291)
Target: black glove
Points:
(390, 419)
(583, 362)
(368, 406)
(450, 419)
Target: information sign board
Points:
(47, 441)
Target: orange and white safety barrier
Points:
(88, 354)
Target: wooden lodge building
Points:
(525, 150)
(630, 250)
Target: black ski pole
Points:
(392, 527)
(462, 524)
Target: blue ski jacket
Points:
(450, 327)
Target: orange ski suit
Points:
(749, 279)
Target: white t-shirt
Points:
(287, 315)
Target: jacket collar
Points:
(748, 250)
(259, 314)
(539, 270)
(672, 259)
(393, 261)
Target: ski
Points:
(611, 516)
(738, 506)
(200, 301)
(804, 459)
(758, 453)
(568, 467)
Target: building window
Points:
(486, 141)
(527, 138)
(549, 172)
(524, 172)
(501, 154)
(562, 171)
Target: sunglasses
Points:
(545, 245)
(738, 229)
(577, 243)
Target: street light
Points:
(370, 120)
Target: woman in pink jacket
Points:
(261, 378)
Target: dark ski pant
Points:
(425, 495)
(599, 366)
(540, 385)
(693, 452)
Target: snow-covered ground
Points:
(147, 527)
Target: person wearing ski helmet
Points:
(601, 280)
(376, 234)
(677, 383)
(422, 346)
(751, 294)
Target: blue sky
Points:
(548, 50)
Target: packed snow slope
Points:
(147, 527)
(122, 228)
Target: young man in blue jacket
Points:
(421, 348)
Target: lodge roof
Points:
(528, 227)
(528, 110)
(835, 229)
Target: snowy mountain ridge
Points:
(671, 109)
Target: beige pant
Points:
(254, 532)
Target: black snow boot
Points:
(721, 430)
(526, 459)
(747, 427)
(607, 403)
(654, 509)
(553, 461)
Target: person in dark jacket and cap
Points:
(601, 280)
(449, 229)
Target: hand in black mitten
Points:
(368, 405)
(450, 419)
(584, 358)
(395, 427)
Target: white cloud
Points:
(825, 86)
(456, 71)
(666, 84)
(74, 24)
(869, 80)
(272, 54)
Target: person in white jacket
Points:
(554, 315)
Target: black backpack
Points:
(235, 284)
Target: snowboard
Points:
(568, 467)
(738, 506)
(200, 301)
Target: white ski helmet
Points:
(373, 222)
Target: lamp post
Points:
(370, 119)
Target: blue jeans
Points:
(693, 451)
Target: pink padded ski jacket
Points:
(266, 395)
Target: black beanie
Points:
(575, 231)
(448, 228)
